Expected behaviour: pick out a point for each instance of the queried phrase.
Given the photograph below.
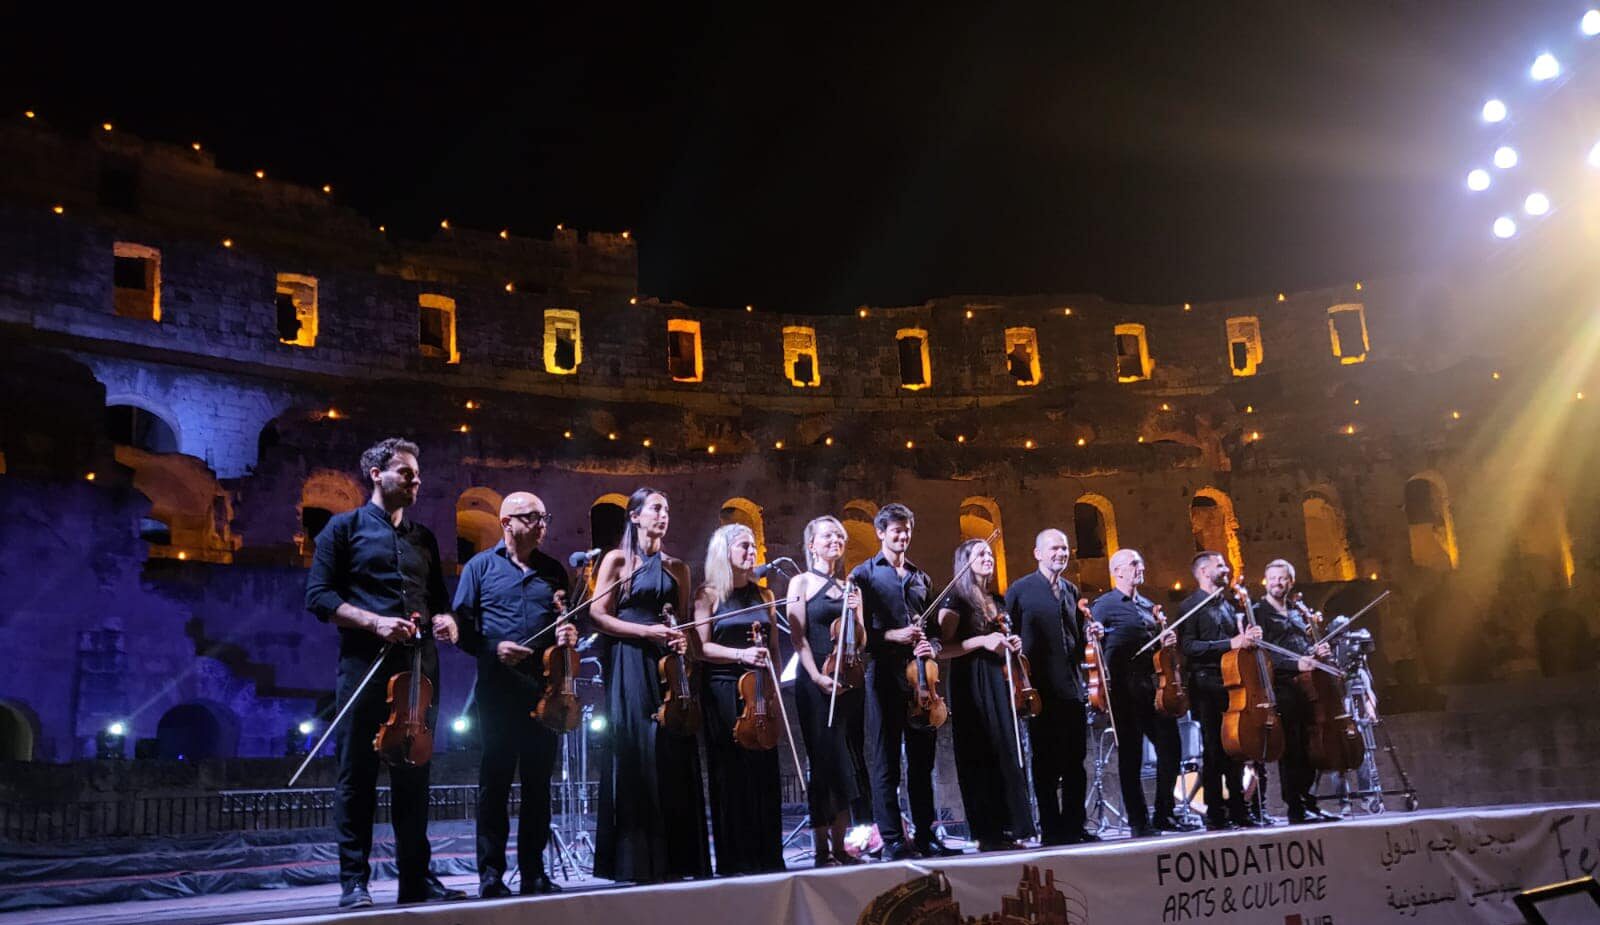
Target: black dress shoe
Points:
(1142, 830)
(1244, 821)
(355, 896)
(431, 890)
(1001, 844)
(1086, 838)
(900, 850)
(1298, 817)
(1220, 825)
(1174, 824)
(494, 889)
(932, 847)
(539, 884)
(1322, 815)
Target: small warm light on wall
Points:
(1358, 285)
(777, 445)
(333, 414)
(445, 224)
(1280, 297)
(969, 313)
(1249, 409)
(627, 235)
(1165, 407)
(749, 308)
(1028, 444)
(382, 228)
(961, 438)
(711, 450)
(560, 226)
(1579, 396)
(511, 287)
(861, 313)
(911, 444)
(106, 126)
(195, 146)
(463, 429)
(1495, 374)
(1349, 429)
(261, 175)
(645, 443)
(183, 555)
(88, 476)
(227, 242)
(633, 300)
(327, 187)
(1455, 415)
(567, 434)
(1067, 312)
(471, 405)
(28, 113)
(1177, 586)
(505, 234)
(1187, 306)
(1357, 402)
(611, 436)
(1141, 438)
(827, 441)
(1373, 577)
(1255, 435)
(1082, 442)
(59, 210)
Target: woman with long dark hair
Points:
(651, 823)
(994, 788)
(746, 799)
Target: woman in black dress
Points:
(746, 800)
(651, 823)
(994, 788)
(838, 768)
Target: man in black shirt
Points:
(506, 595)
(1283, 627)
(894, 592)
(1044, 609)
(1204, 637)
(1129, 624)
(373, 570)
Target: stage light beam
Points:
(1478, 180)
(1590, 24)
(1494, 111)
(1504, 227)
(1505, 157)
(1545, 67)
(1536, 204)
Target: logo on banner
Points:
(927, 901)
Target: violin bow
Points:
(350, 702)
(1359, 614)
(788, 731)
(933, 605)
(846, 620)
(585, 603)
(1011, 687)
(1105, 671)
(1171, 627)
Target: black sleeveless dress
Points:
(994, 787)
(746, 800)
(651, 823)
(836, 755)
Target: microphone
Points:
(582, 557)
(776, 565)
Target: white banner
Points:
(1442, 867)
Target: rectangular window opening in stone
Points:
(913, 350)
(1347, 330)
(296, 303)
(800, 357)
(436, 327)
(563, 341)
(1244, 345)
(1022, 355)
(1133, 353)
(136, 281)
(684, 361)
(118, 186)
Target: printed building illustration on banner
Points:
(927, 900)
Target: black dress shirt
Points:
(1052, 634)
(1205, 636)
(890, 602)
(498, 602)
(1288, 630)
(1129, 624)
(365, 561)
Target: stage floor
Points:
(1452, 866)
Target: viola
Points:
(1251, 730)
(680, 705)
(1171, 697)
(558, 707)
(1096, 670)
(406, 739)
(757, 728)
(844, 663)
(926, 709)
(1334, 741)
(1024, 698)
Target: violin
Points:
(756, 728)
(926, 709)
(1096, 670)
(680, 706)
(1334, 740)
(406, 739)
(844, 663)
(1251, 730)
(558, 707)
(1171, 697)
(1024, 698)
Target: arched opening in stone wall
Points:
(861, 538)
(980, 517)
(1544, 543)
(477, 522)
(608, 519)
(186, 500)
(326, 492)
(1215, 526)
(1432, 528)
(193, 731)
(1327, 540)
(747, 512)
(131, 425)
(1094, 528)
(16, 734)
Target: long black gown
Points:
(994, 788)
(746, 800)
(651, 824)
(837, 755)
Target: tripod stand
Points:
(1097, 808)
(571, 849)
(1355, 648)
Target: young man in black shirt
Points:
(373, 569)
(894, 592)
(1213, 630)
(506, 595)
(1283, 627)
(1044, 611)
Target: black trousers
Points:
(511, 740)
(1060, 784)
(1133, 710)
(355, 799)
(1209, 702)
(1296, 777)
(886, 728)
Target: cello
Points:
(1171, 697)
(680, 704)
(1334, 740)
(756, 728)
(844, 663)
(1251, 730)
(406, 739)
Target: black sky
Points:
(820, 160)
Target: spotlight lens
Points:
(1590, 24)
(1504, 227)
(1478, 180)
(1545, 67)
(1505, 157)
(305, 727)
(598, 724)
(117, 729)
(1494, 111)
(460, 724)
(1536, 204)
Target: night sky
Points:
(1143, 151)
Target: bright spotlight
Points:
(1594, 155)
(1504, 227)
(117, 729)
(1536, 204)
(1590, 24)
(460, 724)
(1545, 67)
(1505, 157)
(597, 724)
(1494, 111)
(306, 727)
(1478, 180)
